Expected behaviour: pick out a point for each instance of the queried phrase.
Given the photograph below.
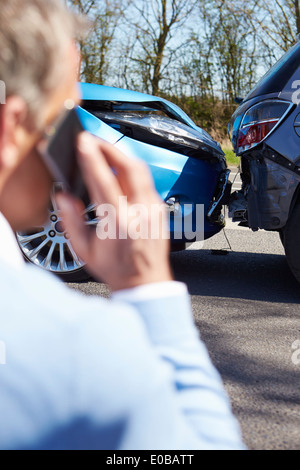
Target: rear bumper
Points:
(270, 190)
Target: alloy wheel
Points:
(49, 246)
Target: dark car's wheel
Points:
(281, 236)
(49, 247)
(292, 241)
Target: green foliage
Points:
(232, 159)
(207, 112)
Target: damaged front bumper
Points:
(221, 198)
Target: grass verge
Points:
(232, 159)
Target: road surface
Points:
(246, 306)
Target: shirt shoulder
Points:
(67, 355)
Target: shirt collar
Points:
(10, 252)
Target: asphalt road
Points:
(246, 306)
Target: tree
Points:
(95, 50)
(156, 23)
(233, 44)
(279, 24)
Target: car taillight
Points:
(255, 133)
(259, 121)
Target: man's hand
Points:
(126, 261)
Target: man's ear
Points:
(12, 116)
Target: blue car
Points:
(188, 167)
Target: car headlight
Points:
(155, 129)
(177, 132)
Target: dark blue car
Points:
(188, 167)
(265, 132)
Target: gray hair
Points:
(34, 36)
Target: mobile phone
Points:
(60, 154)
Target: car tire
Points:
(292, 241)
(49, 247)
(176, 247)
(80, 275)
(281, 236)
(77, 275)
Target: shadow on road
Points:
(245, 306)
(240, 275)
(264, 393)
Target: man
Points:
(128, 373)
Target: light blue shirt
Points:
(90, 373)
